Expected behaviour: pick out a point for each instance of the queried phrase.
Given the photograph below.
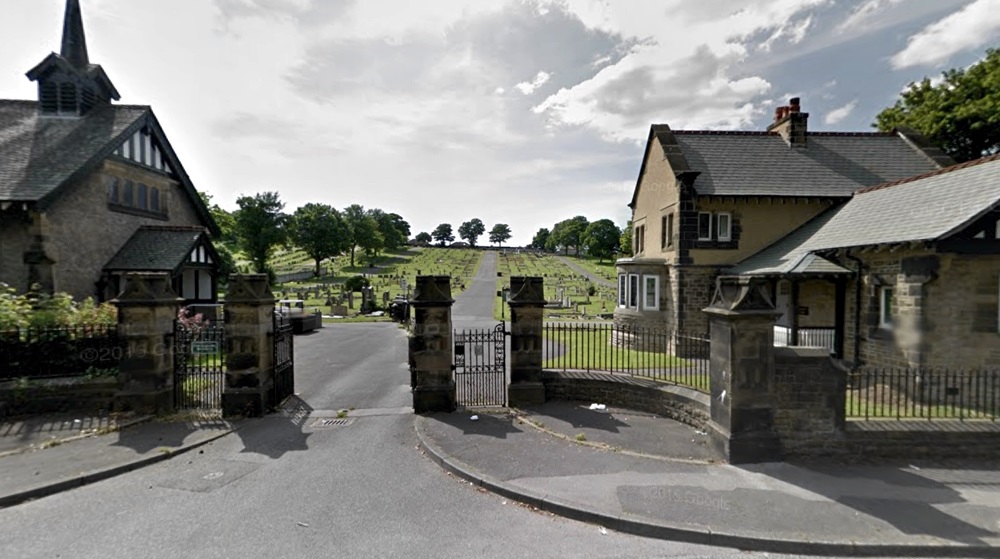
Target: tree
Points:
(401, 227)
(260, 226)
(540, 240)
(500, 234)
(961, 114)
(423, 237)
(443, 234)
(222, 218)
(471, 230)
(320, 231)
(569, 233)
(227, 263)
(625, 244)
(601, 238)
(361, 228)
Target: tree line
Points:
(470, 231)
(601, 239)
(259, 226)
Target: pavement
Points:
(43, 455)
(628, 471)
(647, 475)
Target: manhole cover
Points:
(332, 423)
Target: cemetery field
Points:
(393, 275)
(571, 295)
(603, 269)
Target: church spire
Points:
(68, 84)
(74, 43)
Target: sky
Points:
(524, 112)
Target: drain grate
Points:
(332, 423)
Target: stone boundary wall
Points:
(910, 439)
(809, 417)
(667, 400)
(57, 395)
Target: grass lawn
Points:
(883, 401)
(592, 350)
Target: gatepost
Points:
(527, 304)
(430, 346)
(147, 308)
(249, 309)
(741, 321)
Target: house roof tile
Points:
(39, 154)
(927, 208)
(156, 249)
(762, 164)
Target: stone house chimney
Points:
(791, 123)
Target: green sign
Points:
(204, 348)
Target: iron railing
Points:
(888, 393)
(660, 355)
(284, 360)
(52, 352)
(199, 366)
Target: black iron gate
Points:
(481, 367)
(199, 365)
(284, 361)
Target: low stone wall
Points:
(922, 439)
(810, 392)
(675, 402)
(57, 395)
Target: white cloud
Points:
(840, 113)
(975, 25)
(527, 88)
(794, 32)
(688, 75)
(864, 15)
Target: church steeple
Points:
(68, 84)
(74, 42)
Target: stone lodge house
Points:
(707, 203)
(908, 272)
(91, 190)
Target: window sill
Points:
(162, 216)
(716, 245)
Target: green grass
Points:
(886, 402)
(605, 270)
(593, 350)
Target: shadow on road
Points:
(280, 432)
(487, 425)
(916, 501)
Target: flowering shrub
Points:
(40, 310)
(193, 323)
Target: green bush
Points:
(40, 310)
(355, 283)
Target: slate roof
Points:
(928, 207)
(762, 164)
(156, 249)
(40, 154)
